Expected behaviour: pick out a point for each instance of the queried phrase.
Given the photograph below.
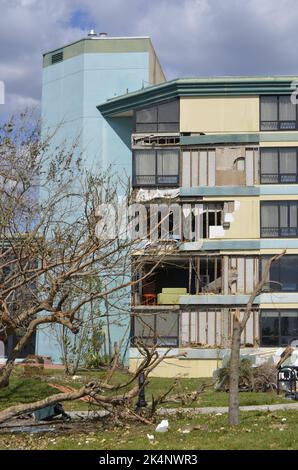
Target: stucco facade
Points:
(76, 77)
(234, 150)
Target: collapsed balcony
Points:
(176, 277)
(182, 221)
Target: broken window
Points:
(209, 274)
(186, 222)
(163, 117)
(277, 113)
(198, 167)
(212, 216)
(230, 166)
(177, 277)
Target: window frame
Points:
(279, 128)
(277, 266)
(279, 174)
(157, 131)
(157, 176)
(279, 312)
(156, 340)
(279, 228)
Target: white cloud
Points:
(192, 37)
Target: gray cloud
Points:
(192, 37)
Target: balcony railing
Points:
(282, 178)
(279, 232)
(156, 180)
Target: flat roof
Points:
(202, 86)
(97, 38)
(101, 45)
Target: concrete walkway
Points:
(225, 409)
(203, 410)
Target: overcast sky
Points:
(191, 37)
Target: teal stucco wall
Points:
(71, 90)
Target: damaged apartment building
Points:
(224, 151)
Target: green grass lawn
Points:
(25, 390)
(257, 430)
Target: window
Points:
(212, 215)
(156, 167)
(277, 113)
(239, 164)
(160, 329)
(144, 167)
(283, 273)
(167, 166)
(278, 327)
(161, 118)
(279, 165)
(279, 219)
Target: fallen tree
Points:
(106, 395)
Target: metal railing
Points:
(279, 232)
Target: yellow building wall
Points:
(283, 143)
(246, 223)
(276, 305)
(272, 251)
(219, 114)
(280, 197)
(192, 368)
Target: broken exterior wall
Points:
(220, 166)
(213, 327)
(198, 167)
(245, 220)
(246, 269)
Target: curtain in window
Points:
(145, 162)
(167, 162)
(288, 219)
(287, 110)
(269, 219)
(283, 208)
(269, 108)
(145, 166)
(288, 161)
(146, 115)
(269, 215)
(168, 112)
(293, 214)
(269, 166)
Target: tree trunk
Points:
(238, 328)
(108, 328)
(5, 373)
(234, 372)
(18, 410)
